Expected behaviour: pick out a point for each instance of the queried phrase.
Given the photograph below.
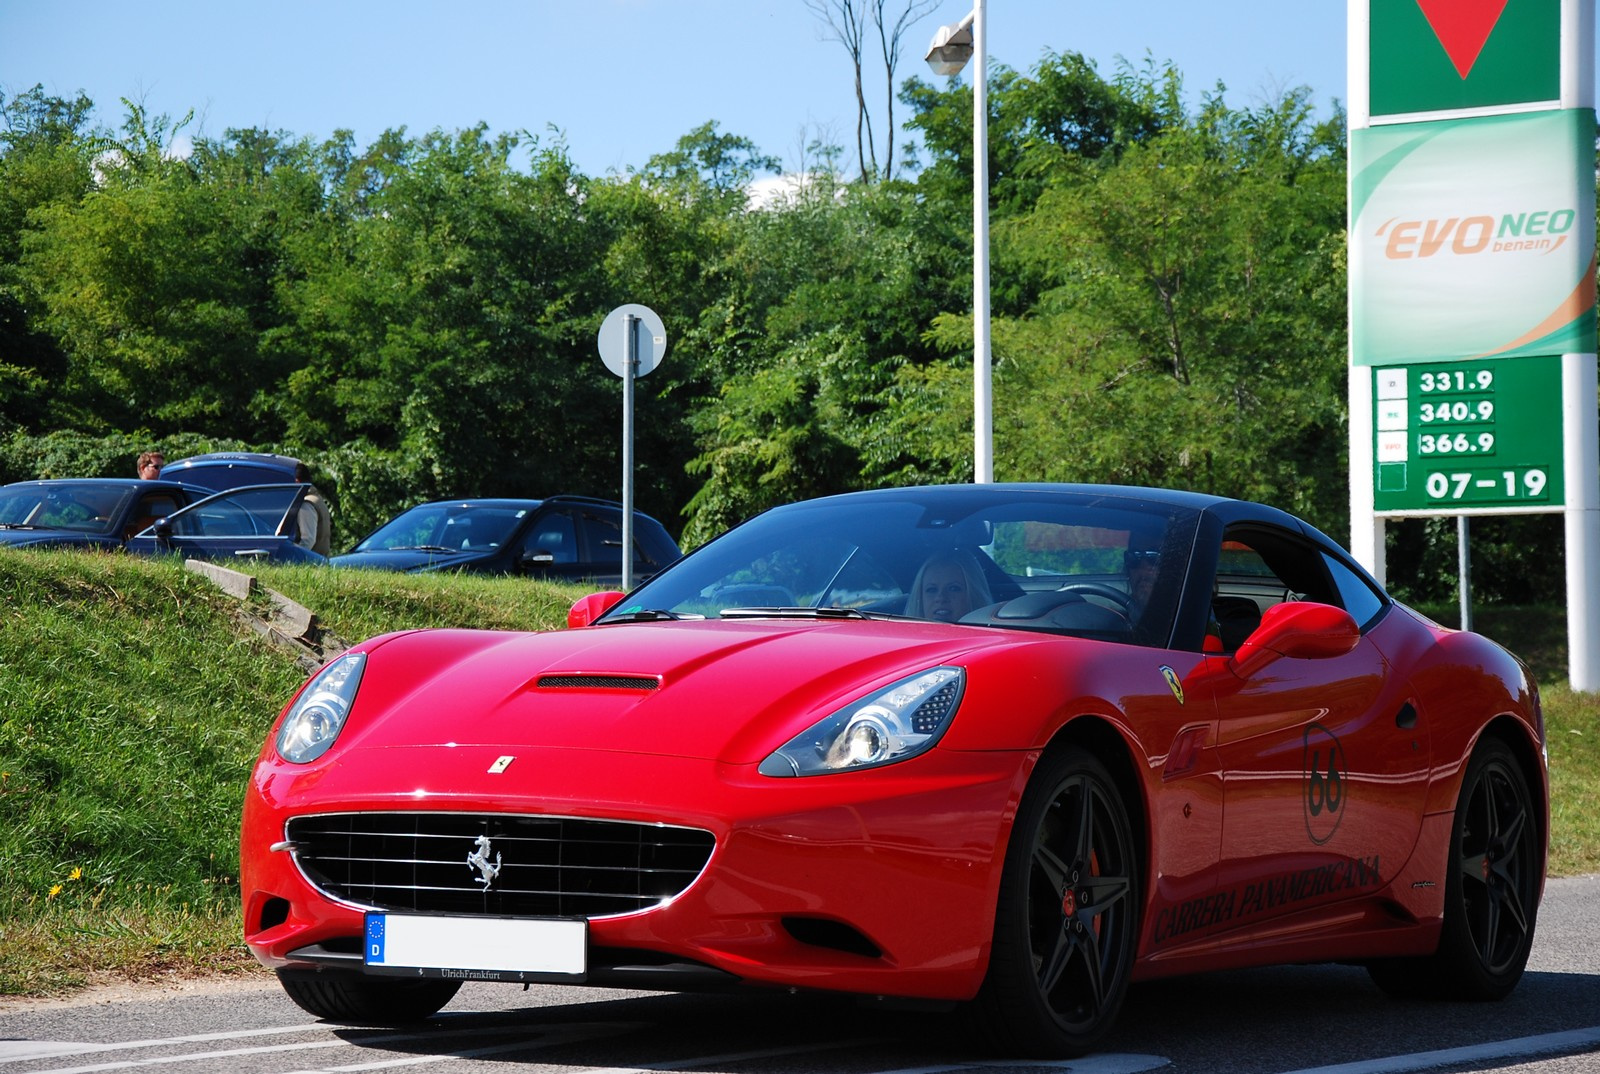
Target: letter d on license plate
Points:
(542, 946)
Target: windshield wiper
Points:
(794, 613)
(418, 548)
(16, 526)
(645, 615)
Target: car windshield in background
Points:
(973, 557)
(446, 527)
(81, 506)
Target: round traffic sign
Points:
(649, 339)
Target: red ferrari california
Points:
(1009, 747)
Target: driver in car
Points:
(949, 585)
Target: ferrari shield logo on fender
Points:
(1172, 682)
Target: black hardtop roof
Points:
(1198, 501)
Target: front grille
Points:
(547, 866)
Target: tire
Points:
(1491, 890)
(357, 998)
(1067, 918)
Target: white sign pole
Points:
(624, 353)
(1581, 446)
(631, 349)
(1366, 526)
(1580, 427)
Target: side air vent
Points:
(598, 682)
(834, 935)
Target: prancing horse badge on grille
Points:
(479, 860)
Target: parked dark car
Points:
(155, 518)
(253, 522)
(222, 470)
(87, 512)
(566, 537)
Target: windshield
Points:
(1070, 563)
(85, 507)
(447, 527)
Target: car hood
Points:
(406, 559)
(18, 538)
(719, 690)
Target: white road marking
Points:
(1517, 1047)
(732, 1057)
(1109, 1063)
(12, 1051)
(547, 1040)
(561, 1035)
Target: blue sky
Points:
(622, 79)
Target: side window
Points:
(250, 513)
(553, 535)
(155, 507)
(1245, 587)
(603, 536)
(1259, 567)
(1355, 595)
(149, 509)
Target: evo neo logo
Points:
(1513, 232)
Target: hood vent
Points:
(598, 682)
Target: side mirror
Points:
(163, 531)
(1298, 629)
(592, 607)
(539, 557)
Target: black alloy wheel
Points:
(1066, 925)
(1491, 890)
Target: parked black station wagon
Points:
(573, 538)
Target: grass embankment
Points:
(133, 703)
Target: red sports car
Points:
(1003, 746)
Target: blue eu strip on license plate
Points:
(545, 946)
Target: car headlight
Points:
(889, 725)
(318, 714)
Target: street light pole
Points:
(951, 48)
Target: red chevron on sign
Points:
(1462, 27)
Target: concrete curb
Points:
(288, 625)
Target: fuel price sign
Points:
(1467, 437)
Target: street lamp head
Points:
(951, 48)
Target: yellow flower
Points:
(76, 874)
(55, 889)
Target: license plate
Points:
(491, 948)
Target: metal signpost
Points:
(1472, 278)
(632, 342)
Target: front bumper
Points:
(879, 882)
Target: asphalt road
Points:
(1291, 1020)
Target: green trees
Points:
(417, 317)
(46, 156)
(1189, 324)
